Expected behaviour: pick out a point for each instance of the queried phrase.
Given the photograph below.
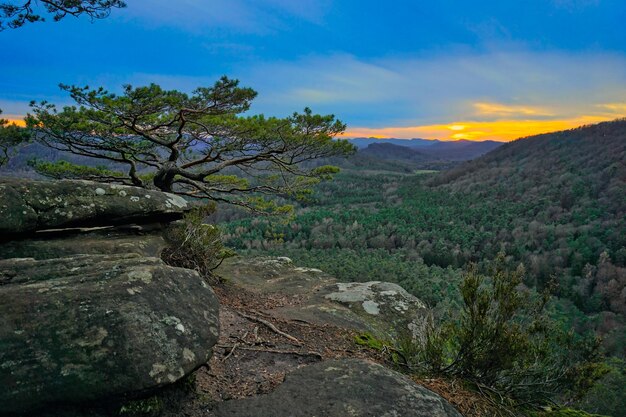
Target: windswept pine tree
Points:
(195, 145)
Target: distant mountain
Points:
(587, 163)
(401, 155)
(362, 143)
(391, 151)
(461, 150)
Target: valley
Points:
(555, 203)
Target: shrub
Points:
(505, 345)
(196, 245)
(608, 396)
(565, 412)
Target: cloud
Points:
(498, 94)
(619, 108)
(246, 16)
(458, 87)
(506, 110)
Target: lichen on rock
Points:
(381, 308)
(92, 315)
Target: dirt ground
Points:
(256, 350)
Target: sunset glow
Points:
(14, 120)
(499, 130)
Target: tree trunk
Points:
(164, 180)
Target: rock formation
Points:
(28, 206)
(91, 315)
(339, 388)
(89, 311)
(322, 377)
(383, 309)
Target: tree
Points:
(194, 145)
(14, 14)
(11, 136)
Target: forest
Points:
(555, 203)
(411, 241)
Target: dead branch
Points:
(269, 326)
(277, 351)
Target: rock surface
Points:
(384, 309)
(30, 205)
(342, 388)
(98, 242)
(88, 327)
(93, 316)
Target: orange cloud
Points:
(507, 110)
(619, 108)
(499, 130)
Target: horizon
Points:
(496, 71)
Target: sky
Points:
(445, 69)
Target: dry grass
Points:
(466, 401)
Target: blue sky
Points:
(447, 69)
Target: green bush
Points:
(196, 245)
(565, 412)
(608, 396)
(505, 345)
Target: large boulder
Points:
(29, 205)
(384, 309)
(90, 313)
(91, 327)
(341, 388)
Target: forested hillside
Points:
(574, 184)
(553, 202)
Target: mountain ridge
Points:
(363, 142)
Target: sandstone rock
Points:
(107, 241)
(87, 328)
(384, 309)
(341, 388)
(29, 205)
(383, 305)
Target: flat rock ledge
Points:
(342, 388)
(383, 309)
(30, 205)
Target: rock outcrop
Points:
(93, 315)
(28, 206)
(341, 388)
(384, 309)
(325, 372)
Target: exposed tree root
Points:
(269, 326)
